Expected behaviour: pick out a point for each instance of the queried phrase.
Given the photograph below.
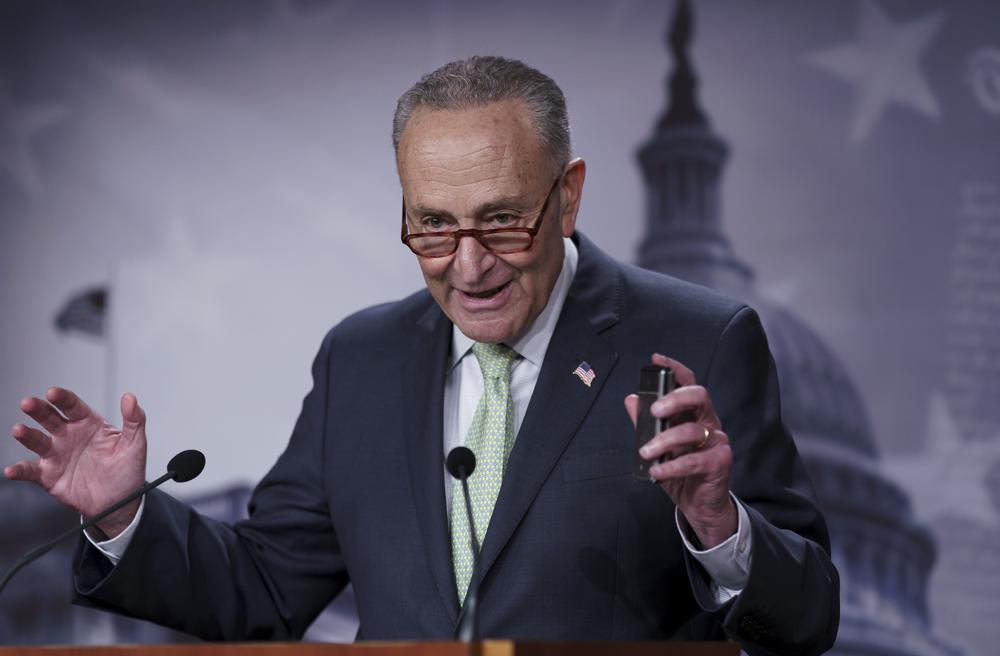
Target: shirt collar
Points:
(533, 344)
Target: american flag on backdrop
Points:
(84, 312)
(585, 373)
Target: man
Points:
(523, 346)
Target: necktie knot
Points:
(494, 360)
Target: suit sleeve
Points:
(791, 602)
(267, 577)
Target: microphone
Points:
(461, 462)
(181, 468)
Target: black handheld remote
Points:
(654, 382)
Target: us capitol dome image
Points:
(884, 556)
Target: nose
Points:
(472, 261)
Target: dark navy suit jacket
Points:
(576, 548)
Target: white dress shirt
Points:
(728, 564)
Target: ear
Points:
(570, 192)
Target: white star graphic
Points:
(949, 476)
(19, 128)
(883, 66)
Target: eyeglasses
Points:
(498, 240)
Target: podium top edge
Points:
(401, 648)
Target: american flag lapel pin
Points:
(584, 372)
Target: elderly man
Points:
(523, 347)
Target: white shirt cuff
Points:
(115, 548)
(727, 563)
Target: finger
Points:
(679, 439)
(632, 407)
(24, 471)
(693, 399)
(694, 463)
(42, 412)
(68, 403)
(682, 374)
(133, 416)
(32, 439)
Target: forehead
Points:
(494, 146)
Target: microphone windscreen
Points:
(186, 465)
(460, 458)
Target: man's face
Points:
(485, 168)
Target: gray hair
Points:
(482, 80)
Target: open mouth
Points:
(489, 293)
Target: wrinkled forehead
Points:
(495, 145)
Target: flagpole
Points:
(110, 356)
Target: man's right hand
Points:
(84, 461)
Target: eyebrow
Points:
(507, 203)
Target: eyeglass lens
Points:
(446, 244)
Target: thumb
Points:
(632, 407)
(133, 416)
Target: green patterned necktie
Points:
(491, 437)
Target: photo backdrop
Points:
(192, 193)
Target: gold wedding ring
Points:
(704, 440)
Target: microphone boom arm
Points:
(468, 630)
(184, 466)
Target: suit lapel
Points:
(560, 401)
(423, 378)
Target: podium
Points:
(484, 648)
